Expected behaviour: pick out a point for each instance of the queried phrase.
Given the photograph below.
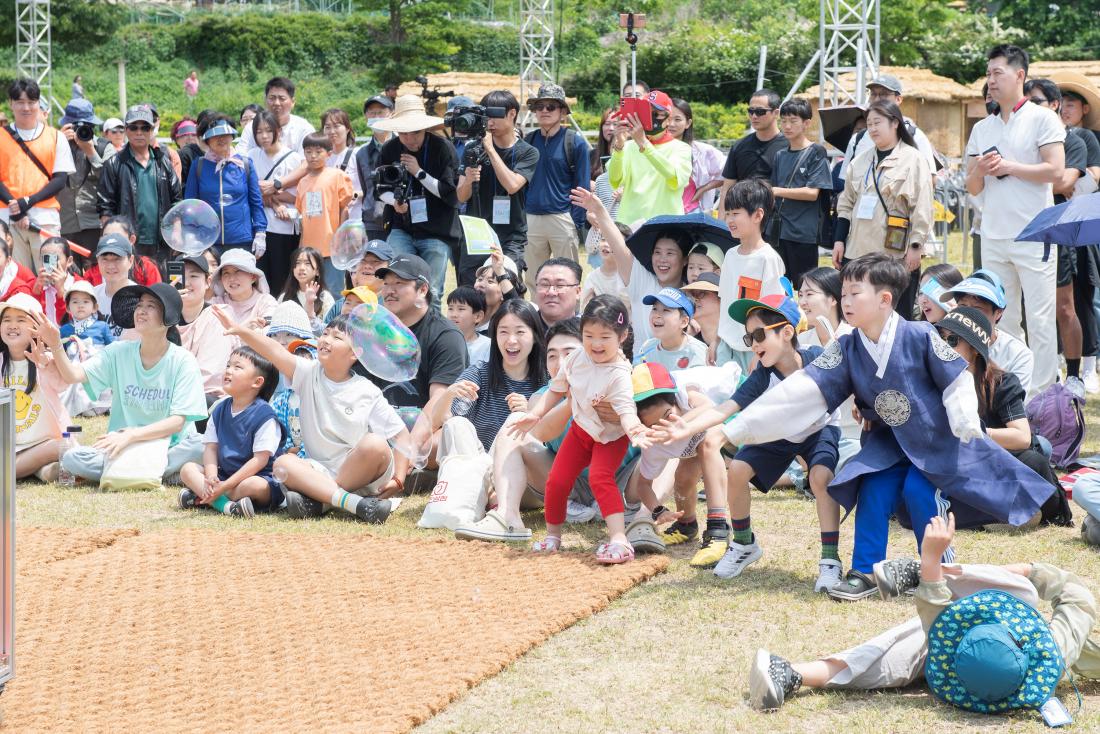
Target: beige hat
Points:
(1081, 85)
(82, 286)
(408, 117)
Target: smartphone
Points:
(994, 149)
(175, 274)
(640, 107)
(632, 20)
(49, 261)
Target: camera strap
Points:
(30, 154)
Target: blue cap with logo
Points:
(673, 298)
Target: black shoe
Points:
(855, 586)
(299, 506)
(896, 577)
(373, 510)
(242, 508)
(187, 499)
(681, 532)
(771, 680)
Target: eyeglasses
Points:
(554, 287)
(759, 111)
(884, 94)
(139, 128)
(758, 335)
(545, 106)
(952, 340)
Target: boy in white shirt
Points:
(671, 346)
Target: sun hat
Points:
(991, 652)
(710, 250)
(981, 283)
(114, 244)
(363, 293)
(221, 127)
(80, 110)
(706, 282)
(113, 123)
(289, 317)
(651, 378)
(783, 305)
(970, 325)
(241, 260)
(126, 300)
(886, 81)
(24, 302)
(1082, 86)
(549, 93)
(673, 298)
(82, 286)
(408, 117)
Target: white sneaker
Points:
(578, 513)
(1092, 382)
(1076, 386)
(828, 574)
(737, 558)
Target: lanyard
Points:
(511, 167)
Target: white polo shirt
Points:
(1010, 203)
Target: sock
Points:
(221, 504)
(1073, 367)
(345, 501)
(717, 522)
(742, 530)
(829, 545)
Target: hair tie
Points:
(620, 319)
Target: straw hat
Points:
(1079, 84)
(408, 117)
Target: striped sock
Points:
(221, 504)
(830, 543)
(742, 530)
(345, 501)
(718, 522)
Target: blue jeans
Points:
(435, 252)
(332, 277)
(87, 462)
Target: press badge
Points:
(502, 210)
(1055, 713)
(418, 210)
(866, 209)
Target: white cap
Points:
(111, 123)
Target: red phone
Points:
(637, 106)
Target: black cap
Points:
(199, 261)
(126, 300)
(971, 326)
(407, 267)
(379, 99)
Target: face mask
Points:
(992, 107)
(373, 121)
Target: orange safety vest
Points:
(19, 173)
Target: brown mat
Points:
(198, 631)
(35, 547)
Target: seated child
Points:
(345, 426)
(704, 257)
(304, 286)
(466, 310)
(771, 326)
(910, 385)
(241, 442)
(1003, 656)
(84, 329)
(670, 345)
(377, 255)
(242, 287)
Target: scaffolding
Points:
(536, 46)
(848, 44)
(33, 53)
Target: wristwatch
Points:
(421, 175)
(277, 184)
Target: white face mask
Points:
(373, 121)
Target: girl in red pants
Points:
(596, 373)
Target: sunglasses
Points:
(758, 335)
(759, 111)
(952, 340)
(547, 106)
(139, 128)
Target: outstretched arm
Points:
(265, 346)
(797, 400)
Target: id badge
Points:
(1055, 713)
(502, 210)
(418, 210)
(866, 209)
(314, 204)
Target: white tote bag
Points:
(138, 466)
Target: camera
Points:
(394, 178)
(85, 131)
(472, 123)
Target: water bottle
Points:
(65, 478)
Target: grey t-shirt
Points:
(798, 220)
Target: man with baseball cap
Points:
(406, 292)
(375, 110)
(752, 155)
(564, 164)
(887, 87)
(79, 218)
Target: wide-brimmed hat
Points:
(549, 93)
(126, 300)
(408, 117)
(241, 260)
(1082, 86)
(291, 318)
(991, 652)
(970, 325)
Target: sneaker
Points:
(1076, 386)
(643, 536)
(855, 586)
(710, 551)
(187, 499)
(1090, 530)
(299, 506)
(737, 558)
(897, 576)
(679, 532)
(771, 680)
(578, 513)
(373, 510)
(828, 574)
(242, 508)
(1092, 383)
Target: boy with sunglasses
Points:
(772, 324)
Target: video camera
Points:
(472, 123)
(84, 130)
(394, 178)
(431, 96)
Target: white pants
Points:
(1022, 270)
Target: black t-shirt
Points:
(1076, 158)
(1092, 145)
(751, 157)
(1007, 404)
(798, 220)
(437, 157)
(443, 356)
(521, 158)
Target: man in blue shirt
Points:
(564, 164)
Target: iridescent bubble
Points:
(382, 344)
(417, 444)
(226, 199)
(408, 416)
(190, 227)
(348, 244)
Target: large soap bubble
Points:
(190, 227)
(418, 444)
(383, 345)
(348, 245)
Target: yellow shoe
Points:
(679, 532)
(710, 552)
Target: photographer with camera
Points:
(416, 180)
(79, 218)
(367, 157)
(496, 166)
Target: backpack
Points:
(570, 145)
(1056, 415)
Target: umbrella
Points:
(698, 226)
(1074, 223)
(837, 124)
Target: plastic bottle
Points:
(65, 478)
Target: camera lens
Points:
(84, 132)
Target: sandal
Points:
(614, 553)
(549, 544)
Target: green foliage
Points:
(959, 49)
(484, 48)
(76, 24)
(1071, 27)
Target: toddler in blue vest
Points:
(242, 439)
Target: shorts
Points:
(277, 499)
(1067, 266)
(770, 460)
(370, 490)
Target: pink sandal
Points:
(614, 553)
(549, 544)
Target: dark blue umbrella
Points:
(698, 227)
(1075, 223)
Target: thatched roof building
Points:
(474, 86)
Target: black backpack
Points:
(570, 146)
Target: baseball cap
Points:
(889, 81)
(126, 299)
(114, 244)
(379, 99)
(707, 282)
(140, 113)
(113, 123)
(660, 100)
(407, 267)
(971, 325)
(711, 250)
(673, 298)
(981, 283)
(363, 293)
(785, 306)
(651, 378)
(198, 261)
(380, 249)
(80, 110)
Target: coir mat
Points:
(199, 631)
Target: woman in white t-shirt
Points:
(272, 160)
(336, 124)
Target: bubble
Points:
(190, 227)
(226, 199)
(408, 416)
(348, 245)
(417, 444)
(382, 344)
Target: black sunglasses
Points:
(139, 128)
(548, 106)
(758, 335)
(953, 340)
(759, 111)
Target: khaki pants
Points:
(549, 235)
(25, 246)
